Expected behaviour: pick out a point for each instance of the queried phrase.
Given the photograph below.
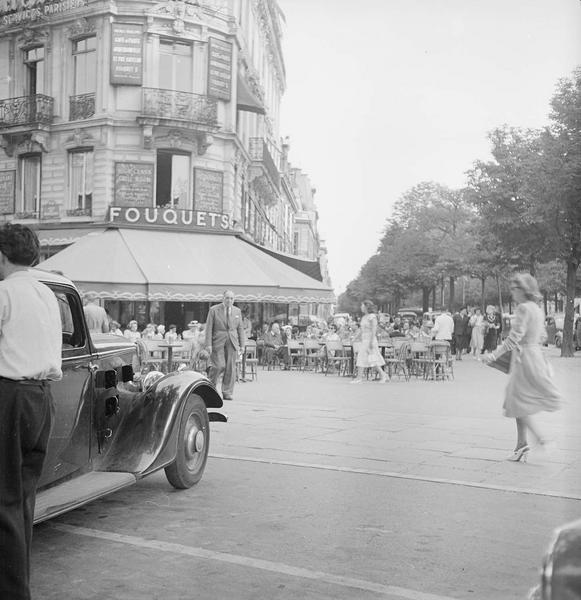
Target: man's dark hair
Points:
(19, 244)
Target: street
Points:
(320, 489)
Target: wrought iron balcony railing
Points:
(259, 152)
(180, 106)
(26, 110)
(81, 107)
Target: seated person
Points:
(275, 344)
(172, 336)
(131, 332)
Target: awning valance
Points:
(139, 264)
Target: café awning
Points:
(139, 264)
(245, 98)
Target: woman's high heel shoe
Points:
(520, 454)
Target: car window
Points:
(73, 334)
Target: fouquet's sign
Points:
(16, 12)
(174, 218)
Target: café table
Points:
(170, 348)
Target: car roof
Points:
(50, 277)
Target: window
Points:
(81, 182)
(175, 66)
(173, 180)
(34, 61)
(70, 318)
(29, 169)
(84, 66)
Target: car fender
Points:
(145, 438)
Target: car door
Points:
(69, 447)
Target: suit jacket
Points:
(217, 330)
(461, 324)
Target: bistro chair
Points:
(314, 354)
(419, 358)
(296, 354)
(338, 357)
(250, 366)
(399, 363)
(155, 358)
(440, 362)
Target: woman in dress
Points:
(369, 356)
(493, 326)
(530, 387)
(477, 336)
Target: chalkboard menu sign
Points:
(208, 190)
(219, 69)
(7, 187)
(126, 54)
(133, 184)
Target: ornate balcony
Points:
(191, 110)
(81, 107)
(26, 111)
(259, 153)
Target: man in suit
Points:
(461, 336)
(224, 340)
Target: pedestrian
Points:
(477, 336)
(530, 387)
(461, 321)
(224, 341)
(443, 328)
(28, 311)
(95, 315)
(493, 326)
(369, 355)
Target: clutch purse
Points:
(502, 363)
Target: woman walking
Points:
(530, 387)
(369, 356)
(477, 336)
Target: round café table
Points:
(170, 349)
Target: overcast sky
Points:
(384, 94)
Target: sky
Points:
(384, 94)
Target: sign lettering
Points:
(126, 54)
(17, 12)
(208, 190)
(174, 218)
(7, 190)
(219, 69)
(133, 184)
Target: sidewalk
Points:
(451, 431)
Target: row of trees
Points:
(519, 211)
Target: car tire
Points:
(193, 445)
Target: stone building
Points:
(142, 140)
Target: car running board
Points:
(76, 492)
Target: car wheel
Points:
(557, 341)
(193, 445)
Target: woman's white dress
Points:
(369, 354)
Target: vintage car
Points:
(111, 426)
(561, 570)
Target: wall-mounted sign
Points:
(208, 190)
(126, 54)
(175, 218)
(133, 184)
(50, 211)
(219, 69)
(7, 190)
(19, 12)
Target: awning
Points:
(246, 100)
(62, 237)
(139, 264)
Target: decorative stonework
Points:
(80, 28)
(78, 139)
(24, 143)
(31, 37)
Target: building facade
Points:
(158, 116)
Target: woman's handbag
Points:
(502, 363)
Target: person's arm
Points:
(516, 334)
(241, 333)
(373, 330)
(208, 330)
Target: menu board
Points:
(133, 184)
(208, 190)
(7, 187)
(50, 211)
(219, 69)
(126, 54)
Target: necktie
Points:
(228, 317)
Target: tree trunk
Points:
(546, 302)
(442, 292)
(451, 296)
(499, 294)
(482, 291)
(425, 299)
(567, 346)
(434, 298)
(556, 303)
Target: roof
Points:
(139, 264)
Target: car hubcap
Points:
(194, 443)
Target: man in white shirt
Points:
(28, 311)
(443, 329)
(95, 315)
